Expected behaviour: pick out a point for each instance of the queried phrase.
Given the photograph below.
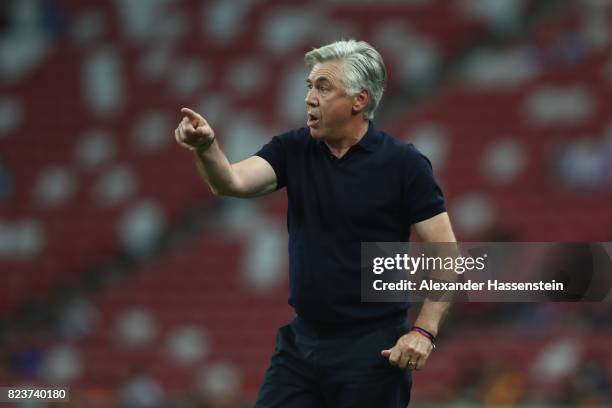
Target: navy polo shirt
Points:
(374, 193)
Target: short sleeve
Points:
(423, 197)
(274, 153)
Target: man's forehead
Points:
(330, 70)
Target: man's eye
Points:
(309, 86)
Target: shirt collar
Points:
(369, 141)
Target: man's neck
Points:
(351, 136)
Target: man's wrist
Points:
(204, 146)
(425, 333)
(431, 327)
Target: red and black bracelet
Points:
(425, 333)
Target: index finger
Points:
(192, 115)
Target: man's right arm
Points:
(249, 178)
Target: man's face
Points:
(328, 106)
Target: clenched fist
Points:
(193, 131)
(410, 351)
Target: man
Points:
(347, 183)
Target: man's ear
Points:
(360, 101)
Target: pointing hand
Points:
(193, 130)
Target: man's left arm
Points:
(414, 347)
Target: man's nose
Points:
(310, 99)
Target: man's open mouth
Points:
(312, 120)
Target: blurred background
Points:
(126, 280)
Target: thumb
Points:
(385, 353)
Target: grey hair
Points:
(363, 69)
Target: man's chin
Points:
(316, 133)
